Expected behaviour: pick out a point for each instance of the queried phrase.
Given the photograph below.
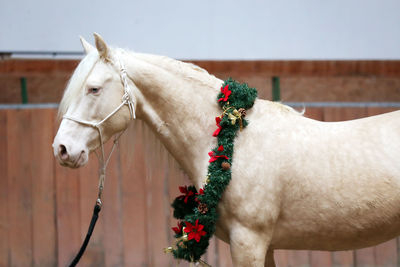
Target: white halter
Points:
(126, 100)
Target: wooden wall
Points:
(45, 208)
(301, 81)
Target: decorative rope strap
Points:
(197, 210)
(127, 97)
(126, 100)
(103, 162)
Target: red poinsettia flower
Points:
(194, 231)
(218, 120)
(186, 193)
(201, 192)
(226, 93)
(178, 230)
(214, 157)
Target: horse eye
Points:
(94, 90)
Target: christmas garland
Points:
(197, 211)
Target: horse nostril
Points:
(62, 151)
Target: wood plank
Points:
(224, 253)
(343, 258)
(321, 258)
(371, 111)
(365, 257)
(43, 188)
(134, 196)
(212, 254)
(343, 114)
(88, 188)
(20, 187)
(112, 213)
(157, 200)
(4, 222)
(386, 68)
(386, 254)
(175, 178)
(68, 214)
(299, 258)
(314, 113)
(281, 258)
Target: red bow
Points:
(201, 192)
(178, 229)
(214, 157)
(218, 120)
(226, 92)
(186, 193)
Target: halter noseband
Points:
(126, 100)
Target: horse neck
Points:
(178, 103)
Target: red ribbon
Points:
(178, 229)
(186, 193)
(214, 157)
(217, 120)
(226, 93)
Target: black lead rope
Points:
(95, 215)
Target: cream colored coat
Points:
(296, 183)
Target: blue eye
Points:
(94, 90)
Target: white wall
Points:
(209, 29)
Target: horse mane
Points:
(184, 69)
(74, 85)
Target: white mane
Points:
(79, 76)
(184, 69)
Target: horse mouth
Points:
(80, 161)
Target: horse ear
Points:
(86, 46)
(101, 46)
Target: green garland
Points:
(197, 211)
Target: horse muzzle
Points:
(69, 154)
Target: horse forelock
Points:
(75, 83)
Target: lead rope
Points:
(98, 205)
(103, 162)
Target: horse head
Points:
(95, 105)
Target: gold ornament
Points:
(233, 118)
(168, 250)
(207, 180)
(235, 115)
(203, 263)
(184, 237)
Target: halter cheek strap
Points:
(127, 97)
(126, 100)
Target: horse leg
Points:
(248, 247)
(269, 259)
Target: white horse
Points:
(296, 183)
